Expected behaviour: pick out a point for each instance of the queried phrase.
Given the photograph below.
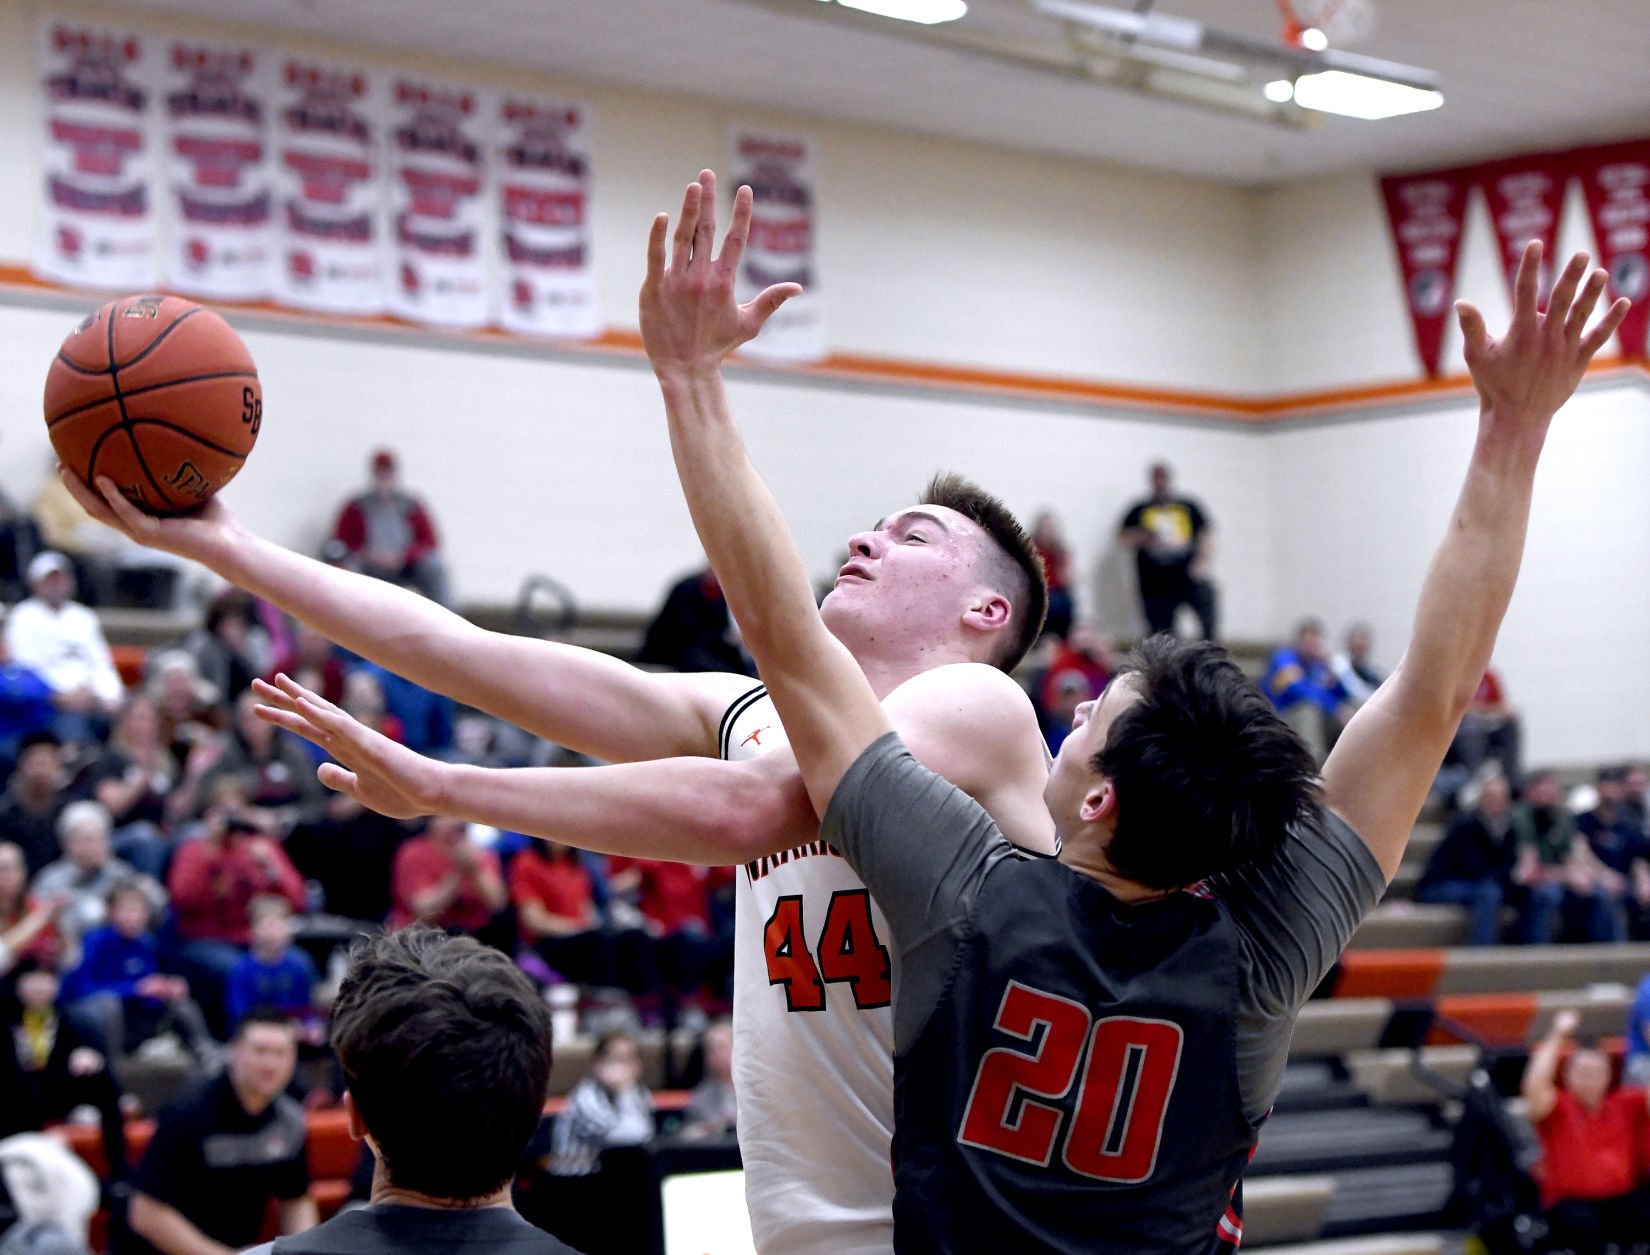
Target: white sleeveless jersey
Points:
(813, 1033)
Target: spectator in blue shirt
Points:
(1304, 688)
(119, 988)
(1637, 1068)
(26, 705)
(274, 973)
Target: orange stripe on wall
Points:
(1499, 1019)
(1396, 974)
(934, 376)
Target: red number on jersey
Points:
(1118, 1124)
(849, 949)
(992, 1121)
(789, 963)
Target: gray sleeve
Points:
(923, 847)
(1294, 915)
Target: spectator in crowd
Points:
(1354, 666)
(1637, 1066)
(1559, 870)
(49, 1066)
(223, 1153)
(1057, 706)
(387, 533)
(1636, 796)
(133, 778)
(443, 878)
(82, 878)
(62, 641)
(1084, 653)
(275, 766)
(556, 913)
(67, 529)
(1619, 845)
(364, 700)
(28, 706)
(1490, 729)
(443, 1045)
(34, 799)
(309, 653)
(26, 928)
(213, 881)
(1056, 560)
(1473, 865)
(349, 851)
(693, 630)
(1173, 541)
(119, 988)
(274, 972)
(187, 705)
(230, 648)
(20, 541)
(713, 1111)
(675, 902)
(1590, 1183)
(425, 719)
(1302, 686)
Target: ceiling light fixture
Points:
(1359, 96)
(1280, 91)
(1313, 39)
(924, 12)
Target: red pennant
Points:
(1426, 212)
(1526, 202)
(1616, 179)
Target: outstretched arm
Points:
(1381, 768)
(690, 321)
(1540, 1083)
(575, 697)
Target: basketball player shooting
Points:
(813, 1022)
(1085, 1047)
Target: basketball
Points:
(160, 395)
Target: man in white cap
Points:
(62, 641)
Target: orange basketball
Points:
(160, 395)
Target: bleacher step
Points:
(1348, 1141)
(1378, 1200)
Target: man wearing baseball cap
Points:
(386, 532)
(61, 641)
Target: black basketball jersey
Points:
(1076, 1088)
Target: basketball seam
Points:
(153, 344)
(120, 399)
(153, 387)
(77, 367)
(186, 433)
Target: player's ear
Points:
(990, 612)
(357, 1126)
(1099, 803)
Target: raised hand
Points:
(189, 536)
(689, 317)
(1525, 376)
(368, 767)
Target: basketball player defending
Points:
(813, 973)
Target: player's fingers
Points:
(338, 779)
(292, 722)
(1526, 287)
(656, 247)
(89, 501)
(128, 516)
(704, 235)
(299, 693)
(1582, 311)
(682, 243)
(761, 307)
(1564, 291)
(739, 230)
(1474, 335)
(1600, 335)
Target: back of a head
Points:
(445, 1049)
(1208, 777)
(1010, 564)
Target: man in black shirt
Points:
(445, 1049)
(1473, 864)
(1170, 536)
(221, 1154)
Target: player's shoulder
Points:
(973, 682)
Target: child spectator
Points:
(49, 1066)
(275, 973)
(445, 879)
(119, 988)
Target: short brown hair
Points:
(1013, 567)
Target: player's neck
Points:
(1087, 857)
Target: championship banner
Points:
(781, 247)
(1426, 213)
(329, 219)
(542, 159)
(437, 204)
(1616, 180)
(98, 226)
(1525, 197)
(215, 108)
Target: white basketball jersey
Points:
(813, 1032)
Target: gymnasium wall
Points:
(552, 459)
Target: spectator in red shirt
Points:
(1589, 1138)
(212, 883)
(1490, 729)
(386, 532)
(675, 902)
(556, 913)
(1056, 559)
(444, 879)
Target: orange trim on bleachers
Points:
(1499, 1019)
(130, 661)
(976, 381)
(1389, 973)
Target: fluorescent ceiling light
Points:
(927, 12)
(1359, 96)
(1280, 91)
(1314, 39)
